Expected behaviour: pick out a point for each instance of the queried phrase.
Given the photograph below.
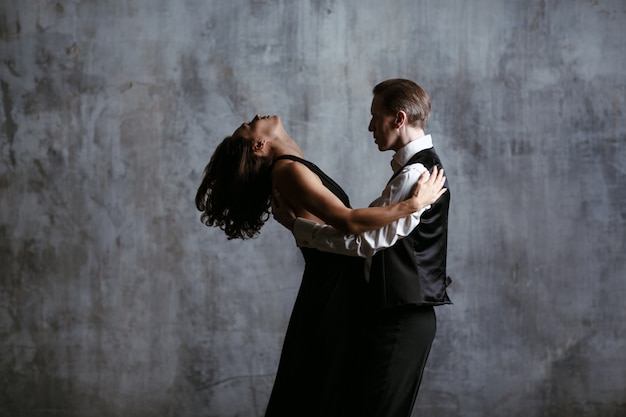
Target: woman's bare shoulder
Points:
(295, 179)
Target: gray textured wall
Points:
(116, 301)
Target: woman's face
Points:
(260, 127)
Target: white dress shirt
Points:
(326, 238)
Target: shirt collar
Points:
(405, 153)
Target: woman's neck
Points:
(286, 146)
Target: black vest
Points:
(413, 271)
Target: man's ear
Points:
(401, 119)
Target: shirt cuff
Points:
(303, 231)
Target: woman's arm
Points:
(303, 190)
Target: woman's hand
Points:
(428, 189)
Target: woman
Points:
(317, 372)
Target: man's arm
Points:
(328, 239)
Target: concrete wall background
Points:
(116, 301)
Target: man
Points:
(406, 261)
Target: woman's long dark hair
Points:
(235, 192)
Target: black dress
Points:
(318, 373)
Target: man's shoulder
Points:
(409, 172)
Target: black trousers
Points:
(397, 344)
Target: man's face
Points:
(382, 126)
